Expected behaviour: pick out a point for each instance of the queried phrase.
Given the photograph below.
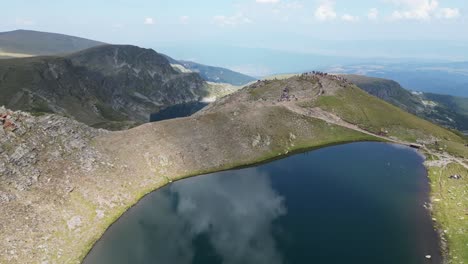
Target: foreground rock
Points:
(39, 160)
(62, 183)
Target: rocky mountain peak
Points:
(114, 59)
(109, 86)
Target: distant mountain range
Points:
(316, 55)
(30, 42)
(214, 74)
(109, 86)
(118, 86)
(23, 43)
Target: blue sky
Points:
(305, 26)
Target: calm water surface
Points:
(356, 203)
(179, 110)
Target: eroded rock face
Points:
(40, 160)
(28, 140)
(6, 197)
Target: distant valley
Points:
(449, 78)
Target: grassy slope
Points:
(387, 90)
(372, 114)
(448, 111)
(450, 209)
(219, 90)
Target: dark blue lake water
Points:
(356, 203)
(179, 110)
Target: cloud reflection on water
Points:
(234, 211)
(341, 200)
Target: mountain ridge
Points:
(28, 43)
(111, 86)
(42, 43)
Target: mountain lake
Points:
(356, 203)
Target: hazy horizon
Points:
(242, 35)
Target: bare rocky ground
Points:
(63, 183)
(40, 158)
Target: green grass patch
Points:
(357, 107)
(450, 208)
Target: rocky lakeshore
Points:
(63, 183)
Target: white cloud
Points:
(242, 197)
(24, 22)
(349, 18)
(149, 21)
(285, 7)
(117, 26)
(185, 210)
(234, 20)
(373, 14)
(326, 11)
(293, 5)
(421, 10)
(415, 4)
(267, 1)
(448, 13)
(184, 20)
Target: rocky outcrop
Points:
(40, 156)
(26, 142)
